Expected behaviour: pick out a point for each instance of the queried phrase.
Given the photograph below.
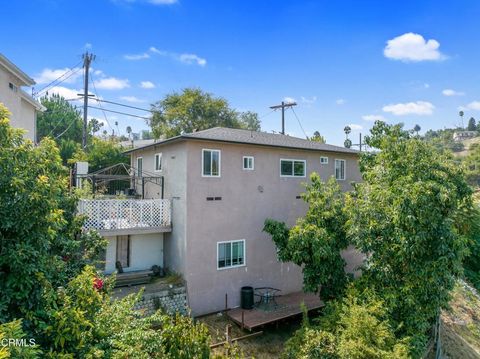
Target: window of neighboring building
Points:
(340, 170)
(123, 251)
(12, 87)
(210, 163)
(292, 168)
(139, 166)
(158, 162)
(230, 254)
(323, 160)
(248, 163)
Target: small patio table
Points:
(267, 297)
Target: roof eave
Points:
(22, 76)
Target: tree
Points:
(317, 137)
(472, 125)
(94, 126)
(406, 216)
(129, 131)
(147, 135)
(196, 110)
(101, 154)
(417, 129)
(41, 241)
(316, 241)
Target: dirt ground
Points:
(268, 345)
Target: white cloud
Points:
(475, 105)
(136, 57)
(450, 92)
(373, 118)
(420, 108)
(132, 99)
(162, 2)
(192, 59)
(311, 100)
(87, 46)
(153, 2)
(112, 83)
(147, 85)
(49, 75)
(189, 59)
(340, 101)
(356, 127)
(289, 100)
(67, 93)
(412, 47)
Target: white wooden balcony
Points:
(126, 216)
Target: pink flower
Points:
(98, 283)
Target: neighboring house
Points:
(463, 135)
(223, 184)
(23, 107)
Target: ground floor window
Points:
(123, 251)
(230, 254)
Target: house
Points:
(23, 107)
(221, 185)
(463, 135)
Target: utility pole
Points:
(87, 59)
(283, 106)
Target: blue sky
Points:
(344, 62)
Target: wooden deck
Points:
(288, 306)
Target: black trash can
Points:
(246, 298)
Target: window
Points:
(210, 163)
(248, 163)
(340, 170)
(158, 162)
(230, 254)
(12, 87)
(139, 166)
(292, 168)
(323, 160)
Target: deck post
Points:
(243, 319)
(226, 301)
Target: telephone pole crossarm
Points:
(283, 106)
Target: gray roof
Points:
(222, 134)
(22, 76)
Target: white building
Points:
(23, 107)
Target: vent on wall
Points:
(214, 198)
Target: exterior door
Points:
(123, 251)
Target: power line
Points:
(299, 123)
(283, 106)
(72, 71)
(121, 104)
(70, 125)
(121, 113)
(97, 95)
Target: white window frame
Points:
(325, 159)
(159, 154)
(219, 162)
(231, 248)
(344, 169)
(139, 172)
(293, 167)
(253, 163)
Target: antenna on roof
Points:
(283, 106)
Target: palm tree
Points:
(417, 129)
(129, 131)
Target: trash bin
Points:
(246, 298)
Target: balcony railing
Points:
(125, 215)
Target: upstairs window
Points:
(248, 163)
(12, 87)
(340, 170)
(210, 163)
(324, 160)
(230, 254)
(292, 168)
(139, 166)
(158, 162)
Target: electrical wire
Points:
(71, 123)
(96, 95)
(121, 104)
(299, 122)
(121, 113)
(73, 70)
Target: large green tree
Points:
(405, 215)
(316, 241)
(194, 110)
(41, 244)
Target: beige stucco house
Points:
(219, 186)
(23, 107)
